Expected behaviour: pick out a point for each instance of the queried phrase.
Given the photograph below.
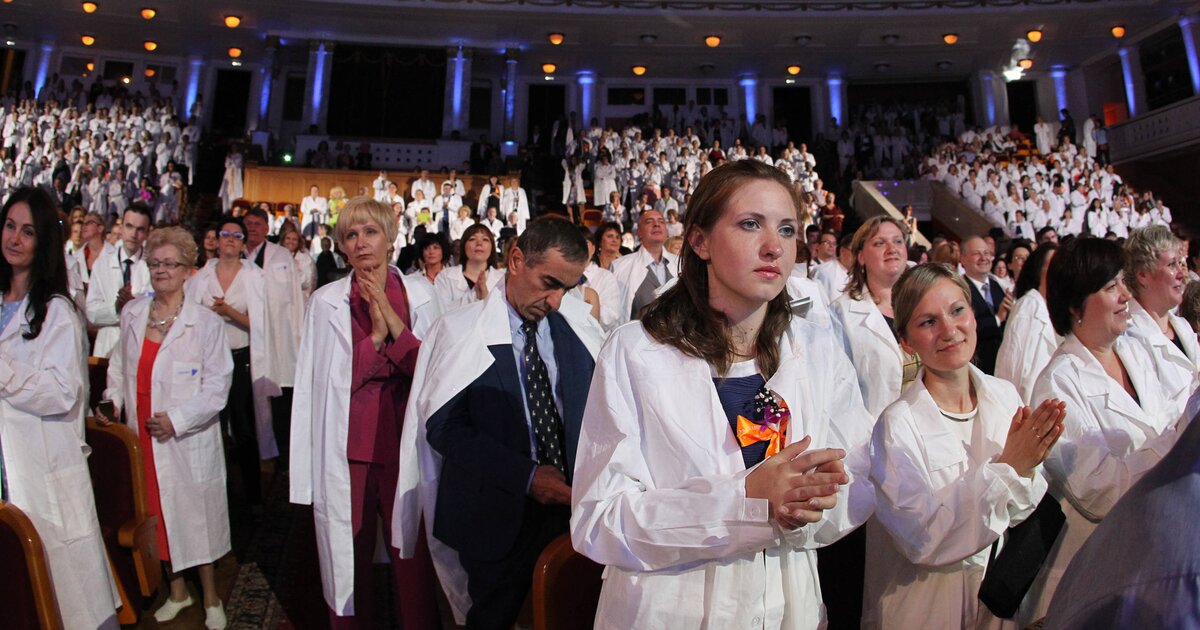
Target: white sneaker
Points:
(170, 609)
(214, 618)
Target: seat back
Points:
(566, 588)
(27, 597)
(119, 484)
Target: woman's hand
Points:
(799, 485)
(593, 299)
(1031, 435)
(481, 288)
(381, 308)
(160, 427)
(103, 419)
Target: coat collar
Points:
(19, 320)
(1095, 382)
(869, 315)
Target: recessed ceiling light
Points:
(233, 21)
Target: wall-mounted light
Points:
(232, 21)
(87, 40)
(950, 38)
(793, 70)
(890, 39)
(1025, 63)
(803, 40)
(150, 45)
(88, 7)
(712, 41)
(149, 13)
(639, 70)
(1118, 31)
(549, 68)
(1034, 35)
(91, 65)
(556, 38)
(235, 52)
(150, 72)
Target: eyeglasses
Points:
(227, 234)
(169, 265)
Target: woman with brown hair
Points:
(671, 489)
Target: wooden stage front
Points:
(281, 184)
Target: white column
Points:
(837, 100)
(195, 71)
(456, 113)
(1135, 81)
(45, 51)
(316, 89)
(587, 97)
(508, 90)
(1190, 25)
(260, 90)
(749, 88)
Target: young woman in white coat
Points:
(306, 269)
(864, 312)
(955, 462)
(1157, 274)
(476, 276)
(698, 527)
(43, 467)
(1029, 337)
(235, 289)
(1120, 422)
(357, 355)
(171, 374)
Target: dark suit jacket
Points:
(484, 439)
(989, 332)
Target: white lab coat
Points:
(573, 191)
(319, 469)
(630, 270)
(659, 494)
(190, 381)
(1029, 342)
(832, 276)
(306, 273)
(106, 280)
(454, 354)
(201, 289)
(285, 308)
(1108, 443)
(42, 403)
(515, 200)
(452, 290)
(872, 349)
(940, 504)
(1177, 371)
(799, 286)
(608, 290)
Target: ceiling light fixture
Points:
(150, 45)
(649, 38)
(235, 52)
(233, 21)
(793, 70)
(150, 72)
(88, 7)
(556, 38)
(1118, 31)
(1034, 35)
(91, 65)
(944, 64)
(883, 67)
(712, 41)
(950, 38)
(639, 70)
(803, 40)
(1025, 63)
(890, 39)
(87, 40)
(549, 68)
(148, 13)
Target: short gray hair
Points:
(176, 236)
(1142, 249)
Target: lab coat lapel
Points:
(17, 322)
(1096, 382)
(340, 321)
(136, 326)
(869, 316)
(186, 319)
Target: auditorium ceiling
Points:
(862, 40)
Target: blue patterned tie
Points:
(543, 415)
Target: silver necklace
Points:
(163, 325)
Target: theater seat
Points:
(27, 597)
(566, 588)
(592, 217)
(130, 537)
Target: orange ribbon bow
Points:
(773, 431)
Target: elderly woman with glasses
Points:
(170, 372)
(235, 289)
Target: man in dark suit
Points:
(507, 438)
(989, 301)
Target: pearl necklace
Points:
(163, 325)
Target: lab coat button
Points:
(757, 622)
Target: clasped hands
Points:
(798, 484)
(159, 425)
(385, 322)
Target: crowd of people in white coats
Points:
(700, 414)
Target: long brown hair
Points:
(858, 272)
(682, 317)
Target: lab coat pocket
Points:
(72, 508)
(204, 455)
(943, 450)
(185, 380)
